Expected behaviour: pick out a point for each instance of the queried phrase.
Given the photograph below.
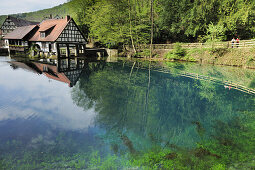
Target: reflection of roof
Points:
(50, 71)
(60, 77)
(20, 32)
(56, 76)
(58, 26)
(24, 66)
(21, 22)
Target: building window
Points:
(45, 68)
(43, 45)
(42, 34)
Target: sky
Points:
(21, 6)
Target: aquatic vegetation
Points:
(234, 147)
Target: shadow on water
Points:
(174, 123)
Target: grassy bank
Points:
(241, 57)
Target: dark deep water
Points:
(83, 115)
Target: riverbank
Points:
(239, 57)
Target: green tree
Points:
(215, 33)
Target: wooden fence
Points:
(224, 44)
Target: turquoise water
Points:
(81, 114)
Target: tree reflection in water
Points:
(195, 123)
(144, 119)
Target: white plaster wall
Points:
(24, 43)
(39, 43)
(54, 47)
(6, 43)
(46, 49)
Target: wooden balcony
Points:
(18, 48)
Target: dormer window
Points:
(46, 30)
(42, 34)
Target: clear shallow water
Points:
(82, 115)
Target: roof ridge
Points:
(17, 18)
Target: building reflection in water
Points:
(66, 70)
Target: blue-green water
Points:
(82, 115)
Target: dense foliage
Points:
(129, 21)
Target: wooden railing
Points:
(18, 48)
(223, 44)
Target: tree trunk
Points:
(152, 23)
(130, 27)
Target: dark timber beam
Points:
(58, 50)
(67, 50)
(77, 50)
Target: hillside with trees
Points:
(60, 10)
(114, 23)
(126, 21)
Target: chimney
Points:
(68, 18)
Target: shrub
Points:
(145, 53)
(218, 51)
(177, 53)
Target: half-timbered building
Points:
(52, 36)
(17, 40)
(11, 23)
(1, 39)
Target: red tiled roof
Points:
(47, 27)
(60, 25)
(20, 32)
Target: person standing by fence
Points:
(237, 42)
(233, 42)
